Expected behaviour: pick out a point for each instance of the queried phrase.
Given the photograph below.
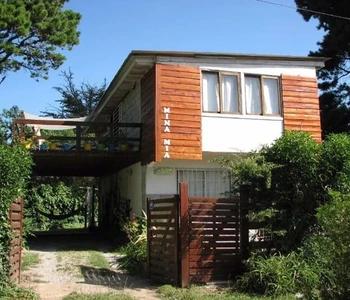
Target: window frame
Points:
(221, 102)
(262, 98)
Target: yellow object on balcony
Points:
(52, 146)
(87, 146)
(27, 144)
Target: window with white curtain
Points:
(204, 182)
(261, 93)
(220, 92)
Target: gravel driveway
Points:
(53, 279)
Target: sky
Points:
(111, 29)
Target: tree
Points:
(76, 101)
(334, 78)
(31, 32)
(6, 123)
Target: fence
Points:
(196, 240)
(16, 223)
(162, 237)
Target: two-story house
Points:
(196, 106)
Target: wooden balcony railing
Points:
(83, 137)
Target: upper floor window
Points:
(220, 92)
(262, 95)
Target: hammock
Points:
(70, 214)
(61, 217)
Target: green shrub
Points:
(135, 257)
(328, 248)
(135, 251)
(279, 275)
(12, 292)
(15, 168)
(335, 162)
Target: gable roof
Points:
(138, 62)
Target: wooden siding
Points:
(301, 110)
(179, 113)
(148, 88)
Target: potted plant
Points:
(87, 146)
(52, 146)
(123, 145)
(100, 146)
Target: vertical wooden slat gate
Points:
(194, 240)
(16, 223)
(162, 237)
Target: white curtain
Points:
(216, 184)
(229, 88)
(253, 96)
(195, 180)
(210, 92)
(204, 183)
(271, 96)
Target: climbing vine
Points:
(15, 169)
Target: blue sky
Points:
(110, 29)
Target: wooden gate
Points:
(16, 223)
(162, 237)
(195, 240)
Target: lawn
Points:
(168, 292)
(78, 296)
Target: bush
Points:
(328, 248)
(135, 257)
(136, 250)
(15, 168)
(279, 275)
(335, 162)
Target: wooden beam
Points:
(184, 235)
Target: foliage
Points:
(335, 44)
(56, 196)
(328, 250)
(279, 275)
(12, 292)
(135, 252)
(15, 168)
(6, 123)
(335, 162)
(282, 181)
(203, 293)
(33, 33)
(110, 296)
(76, 101)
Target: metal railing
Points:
(83, 136)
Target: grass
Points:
(168, 292)
(96, 259)
(29, 260)
(78, 296)
(16, 293)
(69, 261)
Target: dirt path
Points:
(54, 278)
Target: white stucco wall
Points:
(130, 186)
(167, 184)
(228, 133)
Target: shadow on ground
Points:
(111, 278)
(64, 241)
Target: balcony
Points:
(83, 149)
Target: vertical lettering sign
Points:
(166, 142)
